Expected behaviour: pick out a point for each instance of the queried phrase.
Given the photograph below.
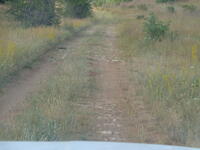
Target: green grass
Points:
(108, 2)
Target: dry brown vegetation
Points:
(167, 72)
(163, 75)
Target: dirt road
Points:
(119, 114)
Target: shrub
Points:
(190, 7)
(78, 8)
(34, 12)
(154, 28)
(142, 7)
(164, 1)
(105, 2)
(171, 9)
(2, 1)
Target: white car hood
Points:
(85, 146)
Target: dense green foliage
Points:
(104, 2)
(2, 1)
(78, 8)
(34, 13)
(164, 1)
(154, 28)
(45, 12)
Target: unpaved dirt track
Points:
(119, 114)
(29, 80)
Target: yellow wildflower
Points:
(194, 53)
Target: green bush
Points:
(34, 12)
(189, 7)
(154, 28)
(171, 9)
(78, 8)
(164, 1)
(2, 1)
(110, 2)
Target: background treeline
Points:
(2, 1)
(49, 12)
(105, 2)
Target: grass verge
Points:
(60, 111)
(166, 72)
(20, 46)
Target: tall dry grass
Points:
(167, 72)
(61, 110)
(20, 46)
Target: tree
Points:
(2, 1)
(34, 12)
(78, 8)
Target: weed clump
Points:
(164, 1)
(154, 28)
(190, 7)
(34, 13)
(140, 17)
